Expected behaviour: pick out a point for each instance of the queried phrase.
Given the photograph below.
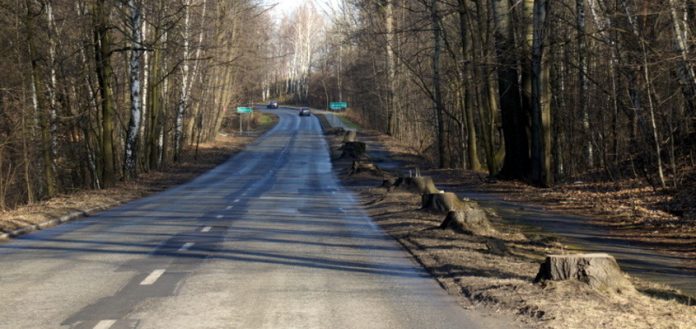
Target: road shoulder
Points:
(490, 278)
(79, 204)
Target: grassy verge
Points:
(348, 122)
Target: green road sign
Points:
(338, 105)
(244, 110)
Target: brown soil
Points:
(494, 273)
(45, 213)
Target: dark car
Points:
(304, 112)
(272, 105)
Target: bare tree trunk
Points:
(41, 110)
(466, 74)
(514, 116)
(52, 86)
(437, 84)
(183, 98)
(649, 92)
(102, 51)
(685, 72)
(541, 104)
(582, 79)
(131, 150)
(391, 67)
(196, 70)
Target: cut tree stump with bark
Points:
(350, 136)
(366, 167)
(420, 185)
(442, 202)
(599, 270)
(354, 150)
(336, 131)
(472, 219)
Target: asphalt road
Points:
(267, 240)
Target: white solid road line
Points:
(105, 324)
(152, 278)
(206, 229)
(186, 246)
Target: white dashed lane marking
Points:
(228, 208)
(105, 324)
(206, 229)
(186, 246)
(152, 278)
(236, 200)
(219, 216)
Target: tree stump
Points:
(350, 136)
(600, 271)
(420, 185)
(390, 183)
(354, 150)
(365, 167)
(442, 202)
(469, 220)
(336, 131)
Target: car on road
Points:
(272, 105)
(305, 112)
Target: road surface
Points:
(267, 240)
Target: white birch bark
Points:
(391, 70)
(199, 47)
(52, 83)
(183, 97)
(146, 84)
(131, 147)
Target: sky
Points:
(287, 6)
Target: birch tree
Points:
(184, 88)
(132, 140)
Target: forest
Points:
(100, 91)
(541, 91)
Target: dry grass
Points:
(631, 208)
(494, 282)
(209, 155)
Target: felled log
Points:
(442, 202)
(471, 219)
(599, 270)
(354, 150)
(350, 136)
(420, 185)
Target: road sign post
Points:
(241, 110)
(337, 106)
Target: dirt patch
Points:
(496, 273)
(85, 202)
